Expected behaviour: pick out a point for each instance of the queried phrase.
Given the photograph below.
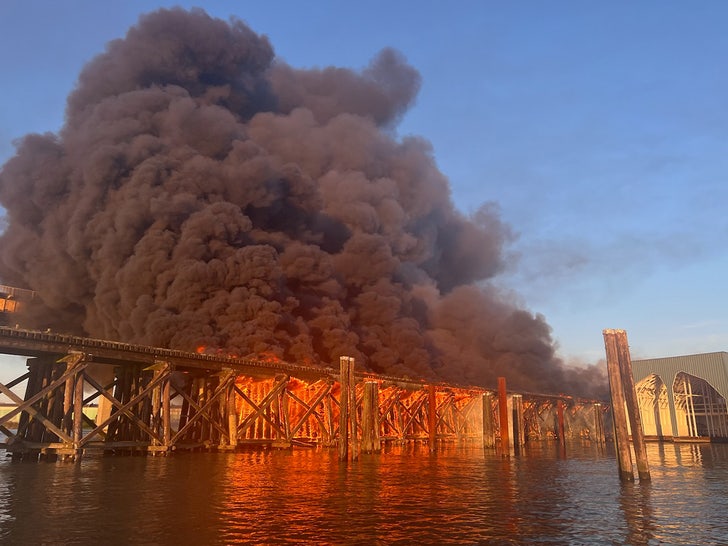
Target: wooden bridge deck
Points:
(158, 400)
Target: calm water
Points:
(459, 495)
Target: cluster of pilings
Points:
(507, 423)
(625, 406)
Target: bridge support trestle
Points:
(78, 403)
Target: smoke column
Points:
(204, 193)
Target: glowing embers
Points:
(404, 414)
(8, 304)
(286, 411)
(268, 357)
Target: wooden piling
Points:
(273, 412)
(633, 409)
(68, 401)
(503, 416)
(55, 413)
(282, 413)
(624, 455)
(25, 429)
(488, 421)
(78, 414)
(344, 408)
(166, 413)
(561, 429)
(354, 432)
(370, 441)
(156, 409)
(328, 437)
(519, 428)
(431, 416)
(104, 406)
(232, 416)
(599, 423)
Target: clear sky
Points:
(599, 128)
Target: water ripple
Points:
(458, 495)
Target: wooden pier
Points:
(157, 401)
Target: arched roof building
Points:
(683, 397)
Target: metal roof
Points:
(712, 367)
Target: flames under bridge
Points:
(154, 400)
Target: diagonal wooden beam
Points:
(92, 424)
(36, 415)
(464, 413)
(320, 395)
(25, 405)
(413, 411)
(319, 419)
(201, 410)
(442, 413)
(7, 432)
(390, 419)
(388, 411)
(18, 380)
(258, 409)
(124, 409)
(38, 396)
(389, 402)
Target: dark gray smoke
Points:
(204, 193)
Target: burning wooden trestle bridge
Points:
(153, 400)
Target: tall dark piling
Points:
(599, 423)
(616, 389)
(519, 423)
(78, 415)
(353, 413)
(167, 414)
(344, 408)
(503, 416)
(432, 416)
(370, 440)
(232, 415)
(633, 408)
(488, 421)
(560, 426)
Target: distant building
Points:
(11, 299)
(683, 397)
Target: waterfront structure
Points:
(224, 402)
(11, 300)
(683, 398)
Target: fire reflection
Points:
(636, 505)
(285, 498)
(506, 494)
(406, 494)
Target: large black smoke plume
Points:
(202, 192)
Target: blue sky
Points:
(598, 127)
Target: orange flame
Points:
(269, 357)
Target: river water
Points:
(405, 495)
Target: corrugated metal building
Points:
(683, 397)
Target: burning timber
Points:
(157, 401)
